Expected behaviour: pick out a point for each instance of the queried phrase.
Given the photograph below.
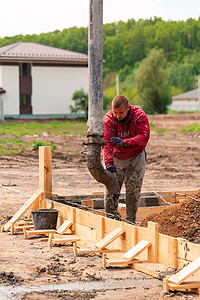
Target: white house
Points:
(39, 80)
(185, 102)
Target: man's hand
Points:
(117, 141)
(111, 169)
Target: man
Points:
(127, 130)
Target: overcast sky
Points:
(29, 17)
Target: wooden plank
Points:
(172, 257)
(188, 251)
(87, 218)
(88, 203)
(23, 209)
(111, 224)
(110, 238)
(100, 228)
(184, 285)
(186, 272)
(168, 251)
(63, 228)
(45, 170)
(153, 237)
(136, 250)
(88, 235)
(115, 262)
(66, 239)
(21, 227)
(42, 231)
(153, 269)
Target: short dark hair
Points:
(119, 100)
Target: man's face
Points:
(121, 112)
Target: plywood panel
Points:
(87, 235)
(188, 251)
(186, 272)
(136, 250)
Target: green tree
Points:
(181, 76)
(81, 102)
(151, 83)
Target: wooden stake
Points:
(172, 258)
(75, 249)
(12, 228)
(153, 237)
(50, 240)
(104, 260)
(45, 170)
(165, 285)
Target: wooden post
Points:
(153, 238)
(100, 228)
(45, 170)
(50, 240)
(172, 258)
(73, 218)
(135, 235)
(165, 285)
(104, 261)
(75, 249)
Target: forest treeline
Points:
(127, 44)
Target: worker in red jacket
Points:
(127, 131)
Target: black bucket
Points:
(45, 218)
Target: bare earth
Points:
(173, 164)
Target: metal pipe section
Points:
(95, 130)
(95, 66)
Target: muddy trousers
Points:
(131, 173)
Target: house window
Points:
(25, 99)
(25, 88)
(24, 69)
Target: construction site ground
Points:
(173, 164)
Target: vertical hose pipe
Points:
(95, 129)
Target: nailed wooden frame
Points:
(166, 253)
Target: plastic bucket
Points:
(44, 218)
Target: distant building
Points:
(38, 80)
(185, 102)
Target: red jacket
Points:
(135, 132)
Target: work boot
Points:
(115, 215)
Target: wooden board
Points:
(42, 231)
(136, 250)
(66, 225)
(66, 239)
(110, 238)
(23, 209)
(186, 272)
(184, 285)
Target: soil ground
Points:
(173, 164)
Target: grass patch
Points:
(162, 130)
(192, 127)
(181, 112)
(32, 128)
(36, 145)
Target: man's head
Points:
(120, 107)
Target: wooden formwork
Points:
(164, 255)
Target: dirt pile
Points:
(180, 220)
(10, 278)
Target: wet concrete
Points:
(9, 292)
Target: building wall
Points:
(9, 81)
(184, 105)
(53, 87)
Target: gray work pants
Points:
(131, 173)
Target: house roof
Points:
(191, 95)
(36, 52)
